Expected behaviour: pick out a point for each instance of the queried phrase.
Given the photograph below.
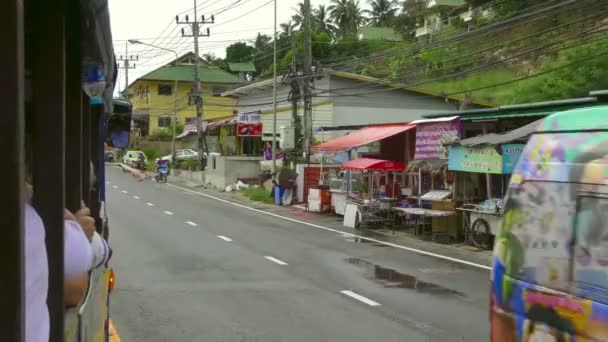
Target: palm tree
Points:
(383, 12)
(298, 18)
(346, 15)
(321, 20)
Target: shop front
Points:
(482, 167)
(428, 196)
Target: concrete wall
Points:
(222, 171)
(380, 107)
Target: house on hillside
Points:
(342, 100)
(379, 33)
(439, 14)
(153, 95)
(244, 70)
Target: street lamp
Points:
(134, 41)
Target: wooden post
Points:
(48, 105)
(74, 95)
(12, 310)
(86, 150)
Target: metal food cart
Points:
(367, 201)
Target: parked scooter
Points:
(161, 173)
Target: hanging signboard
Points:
(249, 124)
(510, 156)
(484, 159)
(429, 136)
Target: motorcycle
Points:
(161, 174)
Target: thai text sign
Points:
(249, 124)
(475, 159)
(510, 156)
(484, 159)
(428, 139)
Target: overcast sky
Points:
(148, 19)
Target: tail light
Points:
(112, 280)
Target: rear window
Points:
(556, 214)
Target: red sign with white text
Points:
(249, 124)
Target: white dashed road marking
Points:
(150, 204)
(224, 238)
(168, 213)
(191, 223)
(125, 192)
(360, 298)
(410, 249)
(275, 260)
(136, 197)
(115, 187)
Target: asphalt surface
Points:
(189, 268)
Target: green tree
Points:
(573, 81)
(415, 9)
(239, 52)
(405, 25)
(347, 16)
(298, 17)
(383, 12)
(321, 20)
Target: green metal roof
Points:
(539, 109)
(453, 3)
(186, 73)
(379, 33)
(241, 67)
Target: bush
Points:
(186, 164)
(258, 194)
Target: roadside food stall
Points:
(428, 197)
(366, 142)
(371, 187)
(483, 167)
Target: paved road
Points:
(190, 268)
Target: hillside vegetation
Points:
(513, 51)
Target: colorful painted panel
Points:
(551, 255)
(429, 137)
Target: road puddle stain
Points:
(390, 278)
(357, 239)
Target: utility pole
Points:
(127, 65)
(198, 98)
(307, 82)
(295, 97)
(274, 97)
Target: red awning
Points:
(367, 164)
(362, 137)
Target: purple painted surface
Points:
(428, 139)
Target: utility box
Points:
(287, 141)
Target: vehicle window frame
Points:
(603, 293)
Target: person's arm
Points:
(74, 289)
(78, 258)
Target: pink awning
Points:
(362, 137)
(368, 164)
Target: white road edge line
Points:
(136, 197)
(168, 213)
(191, 223)
(150, 204)
(275, 260)
(410, 249)
(227, 239)
(360, 298)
